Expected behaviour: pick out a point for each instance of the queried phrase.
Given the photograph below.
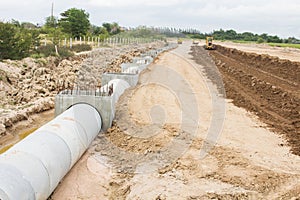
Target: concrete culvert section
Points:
(33, 168)
(118, 87)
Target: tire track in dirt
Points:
(264, 85)
(285, 84)
(283, 68)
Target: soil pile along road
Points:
(28, 86)
(264, 85)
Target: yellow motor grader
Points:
(179, 41)
(209, 44)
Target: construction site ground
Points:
(191, 129)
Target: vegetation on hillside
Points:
(19, 40)
(246, 36)
(74, 22)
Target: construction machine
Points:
(209, 44)
(195, 41)
(179, 41)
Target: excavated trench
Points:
(264, 85)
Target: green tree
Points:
(260, 40)
(112, 28)
(75, 22)
(51, 22)
(7, 40)
(16, 42)
(107, 26)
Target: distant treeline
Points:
(246, 36)
(222, 35)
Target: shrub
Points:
(49, 50)
(81, 47)
(37, 55)
(16, 42)
(260, 40)
(64, 52)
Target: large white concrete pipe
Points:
(32, 168)
(119, 86)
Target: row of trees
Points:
(246, 36)
(19, 40)
(75, 22)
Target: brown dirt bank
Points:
(262, 84)
(28, 86)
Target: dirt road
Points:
(172, 139)
(291, 54)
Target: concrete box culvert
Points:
(103, 105)
(133, 70)
(125, 66)
(131, 79)
(152, 53)
(41, 160)
(142, 60)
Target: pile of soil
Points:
(264, 85)
(29, 86)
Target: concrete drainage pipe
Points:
(32, 168)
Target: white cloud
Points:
(126, 3)
(274, 17)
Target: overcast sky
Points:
(275, 17)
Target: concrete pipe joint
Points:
(32, 168)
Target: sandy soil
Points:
(291, 54)
(263, 85)
(173, 140)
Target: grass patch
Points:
(243, 41)
(49, 50)
(64, 52)
(81, 47)
(297, 46)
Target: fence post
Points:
(70, 43)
